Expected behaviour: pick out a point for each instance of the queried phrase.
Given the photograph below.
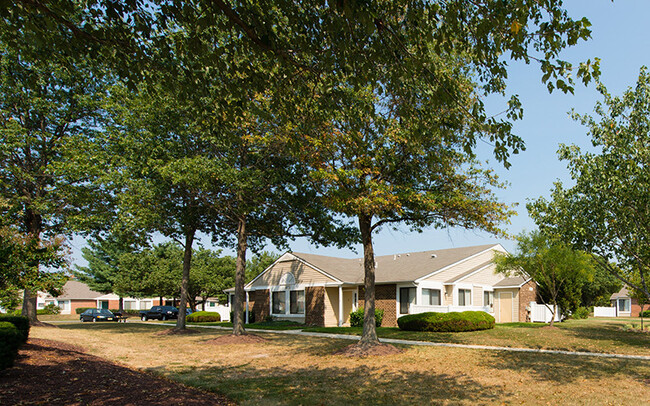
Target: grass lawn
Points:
(590, 335)
(297, 370)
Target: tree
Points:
(258, 264)
(211, 274)
(49, 108)
(103, 271)
(607, 212)
(598, 291)
(557, 269)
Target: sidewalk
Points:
(431, 344)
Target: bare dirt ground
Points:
(55, 373)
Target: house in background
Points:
(77, 294)
(625, 305)
(322, 290)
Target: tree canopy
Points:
(607, 212)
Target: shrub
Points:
(80, 310)
(131, 312)
(203, 317)
(21, 323)
(580, 313)
(49, 309)
(645, 313)
(446, 322)
(10, 340)
(251, 317)
(356, 317)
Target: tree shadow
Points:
(564, 369)
(53, 373)
(360, 385)
(613, 333)
(126, 328)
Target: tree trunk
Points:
(29, 306)
(121, 304)
(240, 277)
(369, 336)
(203, 303)
(185, 281)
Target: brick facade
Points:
(259, 302)
(386, 300)
(526, 295)
(315, 306)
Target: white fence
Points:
(224, 311)
(414, 309)
(604, 311)
(539, 313)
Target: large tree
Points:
(50, 104)
(559, 271)
(607, 211)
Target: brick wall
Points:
(386, 300)
(636, 308)
(259, 301)
(75, 304)
(525, 297)
(315, 306)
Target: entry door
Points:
(406, 298)
(103, 304)
(505, 307)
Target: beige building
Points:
(321, 290)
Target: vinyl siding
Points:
(304, 275)
(462, 267)
(485, 277)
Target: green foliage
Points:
(645, 313)
(580, 313)
(80, 310)
(21, 323)
(446, 322)
(356, 317)
(203, 317)
(10, 341)
(49, 309)
(559, 271)
(600, 289)
(606, 211)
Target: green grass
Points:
(590, 335)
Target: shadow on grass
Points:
(565, 369)
(611, 333)
(360, 385)
(123, 328)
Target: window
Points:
(431, 297)
(623, 305)
(297, 302)
(64, 305)
(129, 305)
(488, 299)
(212, 304)
(279, 304)
(406, 298)
(464, 297)
(145, 304)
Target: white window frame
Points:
(287, 300)
(625, 300)
(463, 288)
(429, 301)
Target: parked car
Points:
(97, 315)
(159, 313)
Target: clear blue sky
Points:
(621, 38)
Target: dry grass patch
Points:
(296, 370)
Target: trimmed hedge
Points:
(203, 317)
(10, 340)
(21, 323)
(356, 317)
(645, 313)
(446, 322)
(80, 310)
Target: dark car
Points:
(159, 313)
(97, 315)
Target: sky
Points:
(620, 38)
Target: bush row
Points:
(14, 331)
(645, 313)
(203, 317)
(356, 317)
(446, 322)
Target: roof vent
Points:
(434, 256)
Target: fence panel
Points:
(539, 313)
(604, 312)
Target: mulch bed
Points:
(355, 350)
(54, 373)
(240, 339)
